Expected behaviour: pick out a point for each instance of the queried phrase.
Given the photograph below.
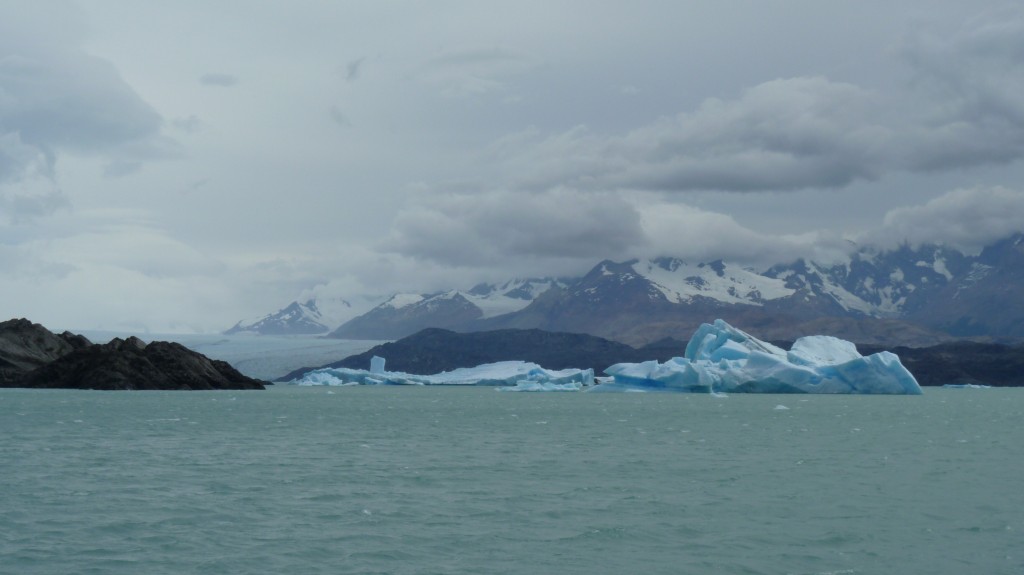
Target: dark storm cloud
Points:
(218, 79)
(481, 229)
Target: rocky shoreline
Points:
(31, 356)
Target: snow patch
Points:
(680, 282)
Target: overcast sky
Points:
(178, 166)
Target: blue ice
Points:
(723, 359)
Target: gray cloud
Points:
(27, 204)
(218, 79)
(17, 158)
(190, 124)
(474, 71)
(353, 68)
(485, 228)
(71, 102)
(674, 104)
(968, 87)
(54, 99)
(960, 108)
(339, 117)
(784, 134)
(967, 218)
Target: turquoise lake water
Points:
(405, 480)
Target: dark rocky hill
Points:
(962, 362)
(434, 350)
(32, 356)
(25, 346)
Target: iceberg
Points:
(516, 375)
(722, 359)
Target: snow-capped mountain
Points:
(294, 319)
(313, 316)
(405, 314)
(876, 284)
(985, 299)
(682, 283)
(910, 296)
(641, 301)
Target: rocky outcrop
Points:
(25, 346)
(34, 357)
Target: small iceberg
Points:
(513, 375)
(722, 359)
(966, 386)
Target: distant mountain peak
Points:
(930, 286)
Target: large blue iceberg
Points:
(509, 375)
(723, 359)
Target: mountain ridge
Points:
(910, 295)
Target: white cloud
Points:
(95, 269)
(966, 218)
(696, 235)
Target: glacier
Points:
(723, 359)
(508, 375)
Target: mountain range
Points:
(911, 296)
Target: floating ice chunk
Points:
(821, 349)
(527, 385)
(720, 358)
(502, 373)
(710, 337)
(376, 364)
